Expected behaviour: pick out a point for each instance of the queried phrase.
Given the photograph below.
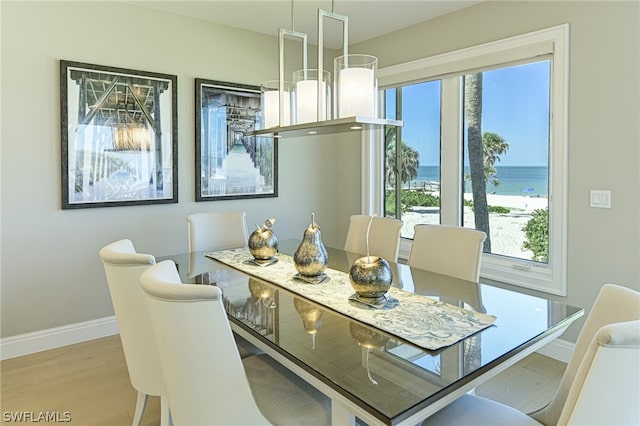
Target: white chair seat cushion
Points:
(477, 411)
(284, 398)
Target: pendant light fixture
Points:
(316, 105)
(277, 95)
(356, 85)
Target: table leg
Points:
(341, 415)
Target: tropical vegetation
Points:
(473, 117)
(409, 163)
(537, 235)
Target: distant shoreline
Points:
(525, 203)
(513, 180)
(520, 202)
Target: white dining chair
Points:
(123, 267)
(449, 250)
(384, 236)
(218, 230)
(600, 386)
(207, 381)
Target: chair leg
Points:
(141, 404)
(165, 413)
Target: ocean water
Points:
(513, 180)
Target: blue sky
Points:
(515, 105)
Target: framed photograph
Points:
(119, 136)
(230, 164)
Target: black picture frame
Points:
(119, 136)
(229, 164)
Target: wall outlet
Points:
(600, 199)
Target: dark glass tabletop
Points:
(384, 375)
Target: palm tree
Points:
(493, 145)
(409, 163)
(473, 114)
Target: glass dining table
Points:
(380, 378)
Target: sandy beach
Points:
(506, 228)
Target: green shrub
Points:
(492, 209)
(419, 198)
(410, 199)
(537, 235)
(499, 209)
(390, 203)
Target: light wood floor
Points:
(89, 380)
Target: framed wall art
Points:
(119, 136)
(230, 164)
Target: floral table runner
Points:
(423, 321)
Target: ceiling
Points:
(367, 18)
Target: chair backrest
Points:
(205, 378)
(123, 267)
(218, 230)
(448, 250)
(607, 386)
(384, 237)
(614, 304)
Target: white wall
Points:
(604, 120)
(51, 274)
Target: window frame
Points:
(552, 43)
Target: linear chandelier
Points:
(309, 96)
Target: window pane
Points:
(506, 154)
(418, 166)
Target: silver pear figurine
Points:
(311, 257)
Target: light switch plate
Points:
(600, 199)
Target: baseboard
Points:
(25, 344)
(558, 349)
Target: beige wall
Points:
(51, 275)
(604, 119)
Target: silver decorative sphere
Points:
(371, 278)
(263, 242)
